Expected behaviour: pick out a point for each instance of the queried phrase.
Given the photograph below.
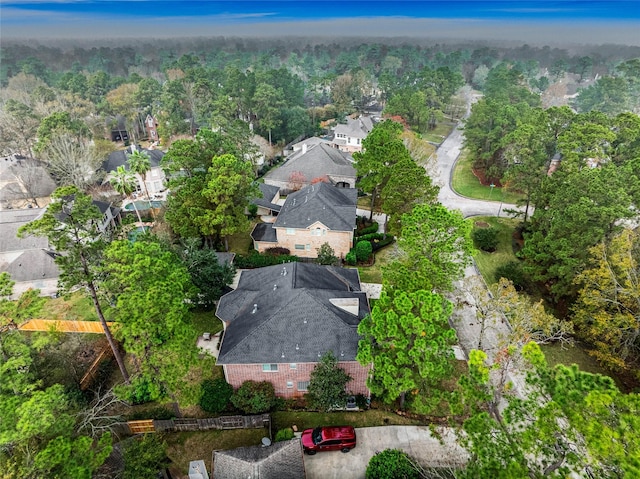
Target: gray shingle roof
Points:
(294, 315)
(281, 460)
(264, 232)
(24, 259)
(119, 158)
(269, 192)
(358, 128)
(332, 206)
(321, 160)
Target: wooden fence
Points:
(90, 375)
(186, 424)
(63, 326)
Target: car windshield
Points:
(316, 435)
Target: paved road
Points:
(447, 155)
(415, 440)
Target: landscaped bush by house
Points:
(277, 251)
(350, 257)
(373, 228)
(514, 273)
(485, 238)
(284, 434)
(382, 243)
(257, 260)
(326, 255)
(254, 397)
(391, 464)
(253, 210)
(215, 395)
(371, 237)
(363, 251)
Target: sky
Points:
(545, 22)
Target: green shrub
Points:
(391, 464)
(215, 395)
(363, 250)
(513, 272)
(326, 255)
(144, 457)
(284, 434)
(253, 210)
(254, 397)
(277, 251)
(373, 228)
(350, 258)
(485, 238)
(382, 243)
(257, 260)
(140, 391)
(370, 237)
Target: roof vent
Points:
(282, 354)
(294, 202)
(297, 347)
(306, 197)
(342, 354)
(319, 355)
(275, 286)
(255, 309)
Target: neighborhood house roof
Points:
(332, 206)
(25, 259)
(281, 460)
(23, 178)
(119, 158)
(316, 162)
(355, 128)
(268, 194)
(294, 312)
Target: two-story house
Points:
(313, 162)
(155, 178)
(348, 137)
(282, 319)
(317, 214)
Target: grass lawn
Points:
(76, 307)
(183, 447)
(306, 420)
(373, 273)
(489, 262)
(241, 243)
(438, 134)
(206, 322)
(575, 354)
(466, 184)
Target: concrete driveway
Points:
(417, 441)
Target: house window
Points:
(308, 247)
(299, 246)
(269, 368)
(289, 384)
(316, 232)
(303, 385)
(293, 366)
(291, 231)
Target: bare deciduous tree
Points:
(72, 162)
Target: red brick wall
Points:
(236, 374)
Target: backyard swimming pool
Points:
(144, 205)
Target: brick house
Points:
(314, 161)
(151, 125)
(281, 320)
(316, 214)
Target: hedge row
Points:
(369, 229)
(382, 243)
(370, 237)
(257, 260)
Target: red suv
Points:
(329, 438)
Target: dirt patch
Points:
(482, 224)
(484, 180)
